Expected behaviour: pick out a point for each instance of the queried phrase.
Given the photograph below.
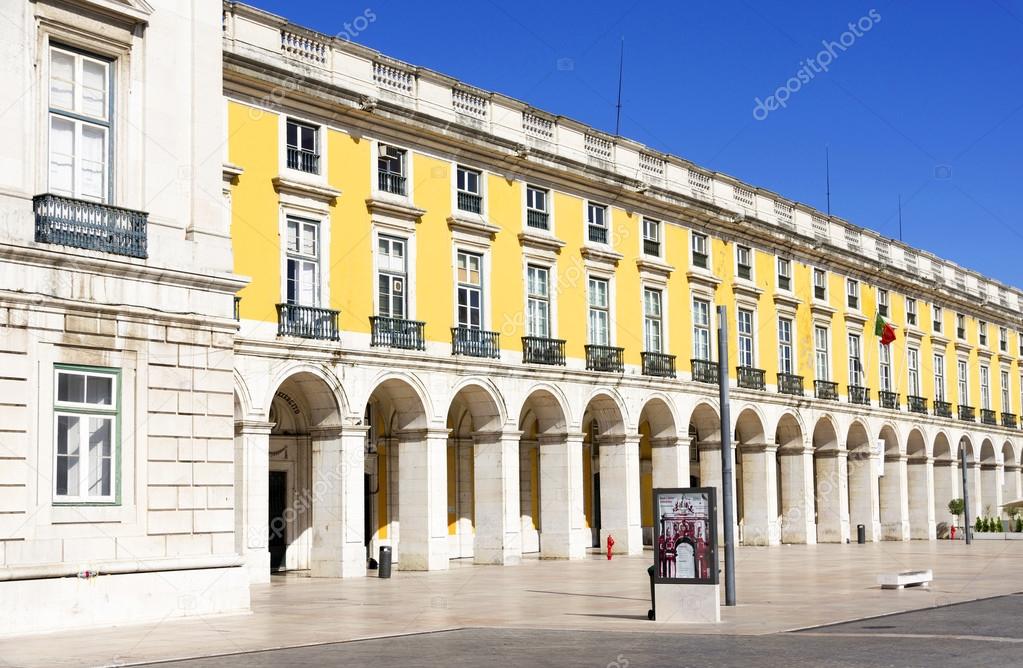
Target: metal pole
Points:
(726, 457)
(966, 494)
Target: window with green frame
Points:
(86, 434)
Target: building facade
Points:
(116, 328)
(475, 329)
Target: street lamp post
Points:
(726, 457)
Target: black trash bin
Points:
(650, 613)
(861, 534)
(384, 565)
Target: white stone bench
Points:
(905, 579)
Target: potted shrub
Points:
(956, 507)
(978, 526)
(998, 525)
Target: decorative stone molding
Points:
(854, 320)
(704, 279)
(939, 341)
(746, 291)
(653, 269)
(474, 230)
(963, 347)
(396, 215)
(231, 173)
(600, 256)
(305, 194)
(542, 242)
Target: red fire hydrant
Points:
(952, 533)
(610, 544)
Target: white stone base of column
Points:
(832, 497)
(620, 515)
(422, 499)
(563, 532)
(796, 521)
(496, 492)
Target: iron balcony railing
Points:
(888, 399)
(859, 395)
(470, 202)
(475, 342)
(790, 383)
(750, 378)
(307, 322)
(652, 247)
(73, 222)
(988, 416)
(917, 404)
(539, 220)
(1009, 420)
(597, 234)
(541, 350)
(658, 364)
(967, 413)
(605, 358)
(825, 389)
(700, 260)
(397, 333)
(705, 371)
(303, 160)
(237, 308)
(943, 409)
(389, 182)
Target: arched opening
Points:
(794, 473)
(611, 466)
(990, 480)
(946, 485)
(756, 471)
(893, 487)
(862, 482)
(831, 503)
(1011, 490)
(663, 458)
(921, 479)
(705, 454)
(976, 505)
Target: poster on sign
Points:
(685, 536)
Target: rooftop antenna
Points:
(618, 108)
(827, 176)
(900, 216)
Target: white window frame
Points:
(911, 314)
(882, 303)
(467, 288)
(937, 319)
(784, 274)
(939, 377)
(985, 387)
(702, 348)
(406, 169)
(822, 285)
(652, 231)
(741, 250)
(982, 333)
(822, 353)
(598, 216)
(884, 361)
(530, 203)
(303, 223)
(855, 348)
(86, 411)
(461, 169)
(597, 312)
(961, 332)
(786, 351)
(913, 371)
(745, 336)
(1003, 379)
(1003, 340)
(963, 381)
(403, 275)
(852, 294)
(699, 244)
(653, 320)
(544, 300)
(318, 143)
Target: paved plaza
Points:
(780, 589)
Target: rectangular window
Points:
(1003, 340)
(982, 333)
(469, 190)
(822, 358)
(80, 127)
(85, 433)
(701, 329)
(960, 326)
(470, 290)
(852, 292)
(391, 165)
(939, 377)
(392, 277)
(855, 361)
(744, 325)
(785, 345)
(964, 385)
(910, 311)
(652, 321)
(537, 215)
(882, 302)
(302, 146)
(1004, 385)
(820, 285)
(596, 223)
(651, 237)
(885, 362)
(985, 388)
(699, 251)
(303, 262)
(538, 307)
(600, 315)
(913, 364)
(936, 319)
(744, 262)
(784, 274)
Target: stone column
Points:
(530, 518)
(760, 494)
(798, 524)
(496, 490)
(894, 490)
(338, 545)
(863, 494)
(832, 494)
(922, 503)
(946, 488)
(563, 532)
(464, 509)
(619, 494)
(251, 490)
(669, 459)
(973, 476)
(991, 489)
(423, 499)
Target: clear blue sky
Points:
(928, 102)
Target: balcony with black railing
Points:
(90, 225)
(705, 371)
(541, 350)
(790, 383)
(397, 333)
(390, 182)
(859, 395)
(658, 364)
(825, 389)
(917, 404)
(750, 378)
(652, 247)
(943, 409)
(597, 234)
(967, 413)
(1009, 420)
(475, 342)
(988, 416)
(890, 400)
(605, 358)
(538, 220)
(470, 202)
(307, 322)
(303, 160)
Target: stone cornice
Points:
(317, 191)
(703, 278)
(786, 300)
(603, 255)
(747, 289)
(477, 226)
(544, 242)
(394, 209)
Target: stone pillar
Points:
(710, 476)
(798, 524)
(760, 494)
(973, 476)
(894, 490)
(832, 495)
(669, 459)
(530, 518)
(946, 488)
(465, 486)
(920, 476)
(251, 490)
(496, 490)
(338, 500)
(991, 490)
(423, 499)
(863, 494)
(563, 532)
(619, 494)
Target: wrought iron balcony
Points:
(888, 399)
(859, 395)
(307, 322)
(303, 160)
(988, 416)
(475, 342)
(397, 333)
(943, 409)
(658, 364)
(967, 413)
(470, 202)
(597, 234)
(605, 358)
(790, 383)
(825, 389)
(73, 222)
(917, 404)
(1009, 420)
(539, 220)
(705, 371)
(750, 378)
(389, 182)
(541, 350)
(652, 247)
(700, 260)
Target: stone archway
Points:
(756, 481)
(973, 481)
(990, 480)
(946, 484)
(920, 479)
(1011, 487)
(831, 500)
(705, 454)
(611, 471)
(795, 482)
(893, 487)
(862, 482)
(663, 457)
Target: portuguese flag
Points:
(885, 329)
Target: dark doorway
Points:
(278, 525)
